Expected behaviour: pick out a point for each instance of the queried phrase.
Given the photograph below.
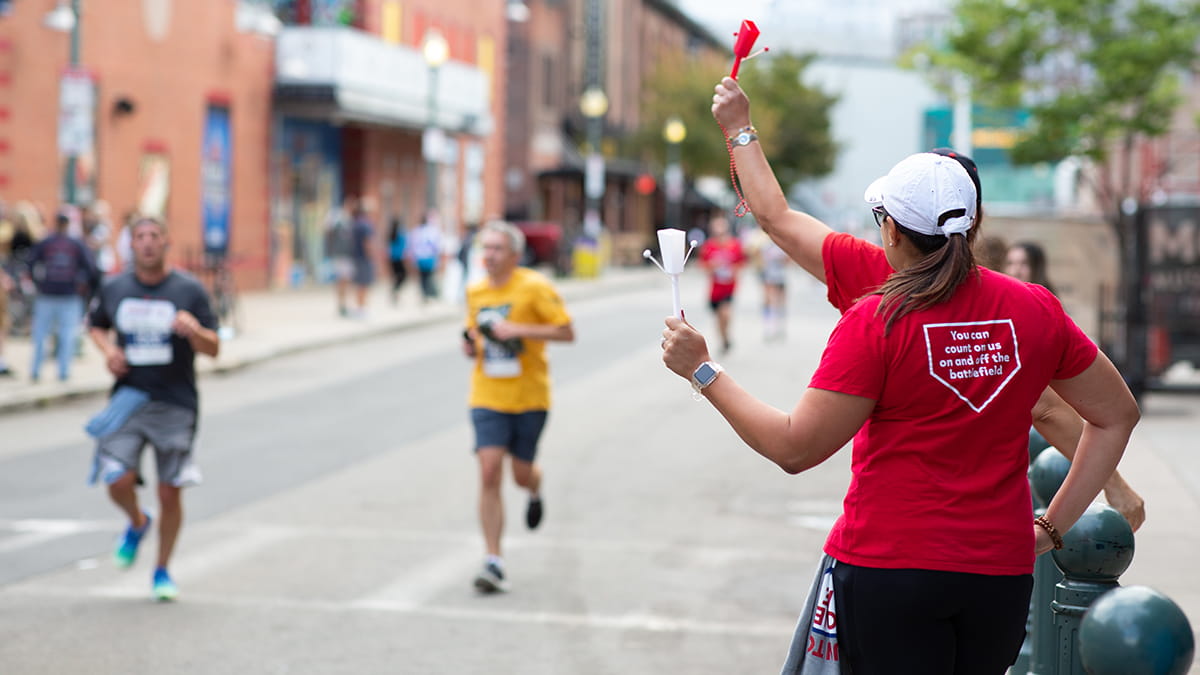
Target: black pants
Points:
(399, 274)
(428, 283)
(924, 622)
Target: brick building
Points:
(355, 100)
(180, 117)
(550, 67)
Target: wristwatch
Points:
(705, 374)
(744, 136)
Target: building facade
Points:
(364, 116)
(166, 111)
(564, 49)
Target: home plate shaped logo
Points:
(975, 359)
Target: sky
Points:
(724, 16)
(848, 27)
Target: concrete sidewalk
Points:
(274, 323)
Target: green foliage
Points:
(1091, 72)
(792, 119)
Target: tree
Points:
(793, 119)
(1095, 75)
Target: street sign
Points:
(674, 182)
(433, 145)
(215, 181)
(593, 179)
(76, 108)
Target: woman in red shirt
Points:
(934, 376)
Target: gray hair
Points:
(516, 238)
(140, 220)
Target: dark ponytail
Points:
(933, 279)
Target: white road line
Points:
(456, 539)
(631, 621)
(273, 532)
(425, 580)
(33, 532)
(197, 563)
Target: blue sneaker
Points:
(164, 588)
(127, 547)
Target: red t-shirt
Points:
(722, 260)
(853, 268)
(939, 469)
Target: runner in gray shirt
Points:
(160, 318)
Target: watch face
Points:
(705, 374)
(743, 138)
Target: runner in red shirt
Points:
(935, 376)
(721, 254)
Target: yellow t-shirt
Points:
(513, 378)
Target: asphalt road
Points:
(336, 529)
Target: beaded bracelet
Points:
(1046, 525)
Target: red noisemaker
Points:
(746, 36)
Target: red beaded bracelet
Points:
(1046, 525)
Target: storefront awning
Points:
(346, 75)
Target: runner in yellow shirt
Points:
(510, 316)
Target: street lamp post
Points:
(65, 18)
(674, 132)
(593, 104)
(436, 51)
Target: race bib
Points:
(974, 359)
(500, 357)
(145, 325)
(500, 362)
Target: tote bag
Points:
(814, 649)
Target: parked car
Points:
(542, 241)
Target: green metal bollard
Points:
(1136, 631)
(1037, 443)
(1038, 653)
(1046, 475)
(1094, 554)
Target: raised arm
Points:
(800, 235)
(1109, 413)
(1061, 426)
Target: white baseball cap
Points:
(922, 187)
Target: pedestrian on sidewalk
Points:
(721, 255)
(934, 374)
(6, 286)
(511, 315)
(397, 249)
(1026, 261)
(339, 249)
(65, 275)
(150, 323)
(426, 251)
(363, 260)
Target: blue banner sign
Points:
(215, 181)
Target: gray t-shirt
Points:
(161, 363)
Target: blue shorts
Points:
(517, 432)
